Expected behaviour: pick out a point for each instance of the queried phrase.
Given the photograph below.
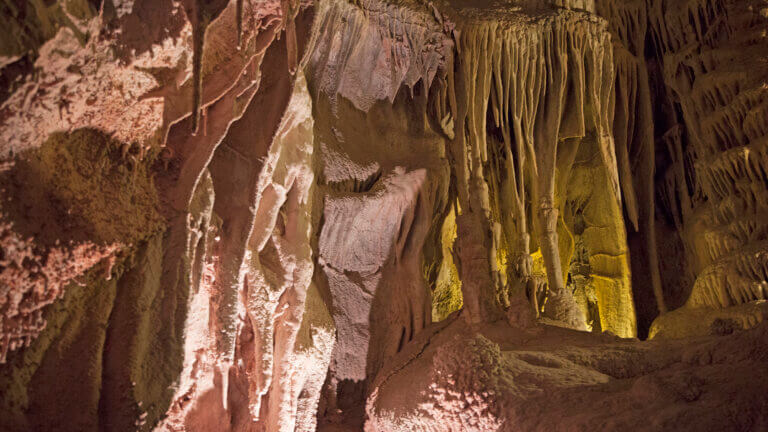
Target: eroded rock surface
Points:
(498, 377)
(262, 215)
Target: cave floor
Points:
(541, 377)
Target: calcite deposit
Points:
(383, 215)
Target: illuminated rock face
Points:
(288, 215)
(506, 378)
(717, 135)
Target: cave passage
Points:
(378, 215)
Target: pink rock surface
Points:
(245, 215)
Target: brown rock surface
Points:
(382, 215)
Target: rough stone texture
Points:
(71, 204)
(497, 377)
(135, 184)
(383, 179)
(717, 138)
(263, 215)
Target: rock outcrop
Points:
(263, 215)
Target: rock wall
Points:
(134, 222)
(717, 134)
(283, 215)
(383, 184)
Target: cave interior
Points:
(383, 215)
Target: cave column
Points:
(473, 254)
(475, 247)
(513, 204)
(547, 216)
(547, 131)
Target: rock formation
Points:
(295, 215)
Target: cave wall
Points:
(136, 220)
(716, 135)
(232, 215)
(383, 184)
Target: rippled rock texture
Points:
(258, 215)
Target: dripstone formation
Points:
(383, 215)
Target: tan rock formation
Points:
(262, 215)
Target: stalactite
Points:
(633, 128)
(200, 14)
(239, 22)
(720, 111)
(199, 26)
(285, 259)
(518, 74)
(290, 8)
